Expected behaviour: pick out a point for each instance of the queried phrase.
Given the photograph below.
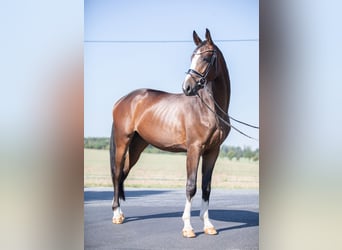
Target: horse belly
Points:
(165, 132)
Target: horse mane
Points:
(225, 76)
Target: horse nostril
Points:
(187, 88)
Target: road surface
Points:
(153, 220)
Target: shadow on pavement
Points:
(248, 218)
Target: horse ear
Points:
(197, 40)
(208, 36)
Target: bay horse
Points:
(176, 123)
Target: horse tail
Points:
(112, 152)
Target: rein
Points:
(223, 120)
(218, 106)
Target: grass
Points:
(169, 171)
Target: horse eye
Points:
(206, 59)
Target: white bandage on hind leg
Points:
(186, 215)
(117, 212)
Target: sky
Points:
(148, 44)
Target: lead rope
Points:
(216, 104)
(224, 121)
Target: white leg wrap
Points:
(204, 215)
(186, 215)
(117, 212)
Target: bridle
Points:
(201, 83)
(202, 78)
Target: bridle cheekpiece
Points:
(202, 78)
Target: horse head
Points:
(203, 66)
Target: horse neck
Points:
(221, 85)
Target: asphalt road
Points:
(153, 220)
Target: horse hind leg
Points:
(118, 149)
(135, 148)
(127, 154)
(118, 216)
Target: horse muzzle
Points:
(191, 86)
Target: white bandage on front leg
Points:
(204, 215)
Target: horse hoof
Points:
(189, 233)
(119, 220)
(210, 231)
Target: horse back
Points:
(157, 116)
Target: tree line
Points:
(230, 152)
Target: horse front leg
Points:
(208, 163)
(193, 156)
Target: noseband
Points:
(202, 78)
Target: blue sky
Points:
(113, 69)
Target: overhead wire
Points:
(167, 41)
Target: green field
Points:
(169, 171)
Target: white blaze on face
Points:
(194, 62)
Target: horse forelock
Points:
(205, 45)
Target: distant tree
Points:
(248, 153)
(238, 153)
(231, 154)
(96, 143)
(256, 155)
(226, 151)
